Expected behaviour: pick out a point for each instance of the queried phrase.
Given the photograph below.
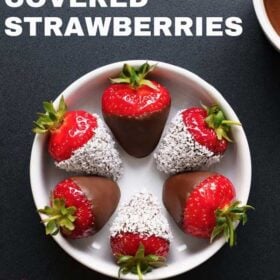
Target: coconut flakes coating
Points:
(97, 157)
(142, 215)
(178, 151)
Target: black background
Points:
(245, 69)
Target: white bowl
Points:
(187, 89)
(265, 23)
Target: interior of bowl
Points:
(266, 24)
(186, 90)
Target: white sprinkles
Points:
(98, 156)
(178, 151)
(142, 214)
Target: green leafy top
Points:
(135, 76)
(139, 264)
(51, 119)
(225, 219)
(59, 217)
(216, 119)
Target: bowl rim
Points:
(37, 150)
(265, 23)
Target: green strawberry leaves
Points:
(60, 216)
(139, 264)
(51, 119)
(216, 120)
(226, 218)
(135, 76)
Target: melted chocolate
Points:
(140, 135)
(104, 195)
(273, 11)
(176, 190)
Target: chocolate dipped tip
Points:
(104, 194)
(138, 136)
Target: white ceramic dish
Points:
(264, 21)
(186, 89)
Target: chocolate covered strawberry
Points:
(136, 110)
(80, 206)
(78, 141)
(140, 236)
(197, 138)
(204, 205)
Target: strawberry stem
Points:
(139, 272)
(229, 122)
(51, 219)
(225, 220)
(232, 237)
(216, 120)
(140, 263)
(51, 119)
(60, 216)
(135, 76)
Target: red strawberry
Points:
(80, 206)
(78, 141)
(140, 236)
(197, 137)
(204, 205)
(136, 110)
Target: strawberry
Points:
(136, 110)
(140, 236)
(204, 205)
(80, 206)
(78, 141)
(197, 138)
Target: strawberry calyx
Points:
(139, 264)
(216, 120)
(226, 218)
(60, 216)
(135, 76)
(51, 119)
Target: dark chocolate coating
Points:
(176, 190)
(104, 195)
(138, 135)
(273, 11)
